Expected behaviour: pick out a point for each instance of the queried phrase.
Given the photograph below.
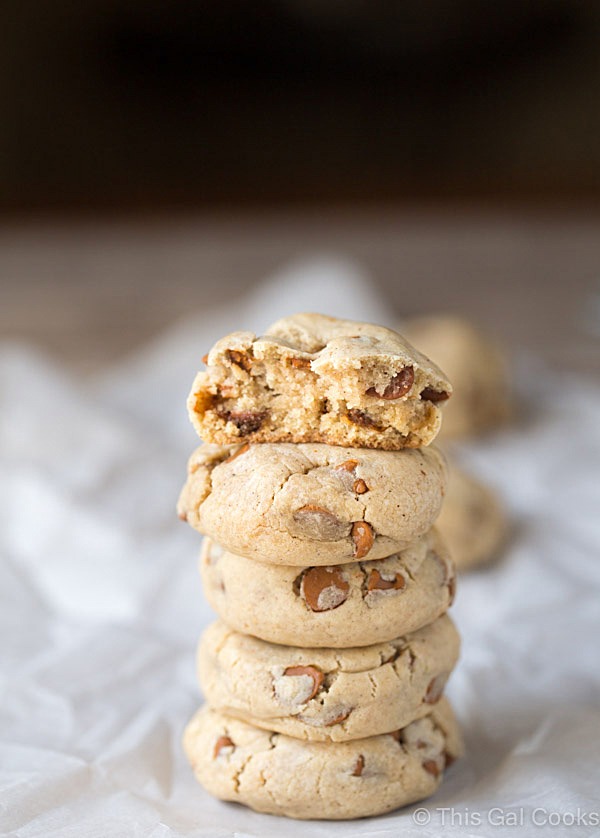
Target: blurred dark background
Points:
(146, 104)
(157, 158)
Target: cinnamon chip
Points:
(222, 743)
(363, 538)
(359, 417)
(245, 421)
(376, 582)
(341, 717)
(312, 671)
(431, 395)
(319, 523)
(324, 588)
(240, 359)
(300, 363)
(399, 385)
(435, 688)
(431, 766)
(358, 766)
(347, 465)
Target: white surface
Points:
(100, 603)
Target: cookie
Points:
(312, 378)
(281, 502)
(280, 775)
(472, 521)
(337, 606)
(481, 400)
(327, 695)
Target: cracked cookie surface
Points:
(472, 522)
(354, 604)
(277, 774)
(280, 502)
(312, 378)
(327, 694)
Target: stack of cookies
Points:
(317, 492)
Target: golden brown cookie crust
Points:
(280, 502)
(354, 604)
(276, 774)
(327, 695)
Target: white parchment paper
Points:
(101, 605)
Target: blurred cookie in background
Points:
(473, 522)
(476, 367)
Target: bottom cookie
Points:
(279, 775)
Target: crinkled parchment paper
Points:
(101, 605)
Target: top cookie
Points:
(312, 378)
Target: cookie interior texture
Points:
(277, 774)
(312, 378)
